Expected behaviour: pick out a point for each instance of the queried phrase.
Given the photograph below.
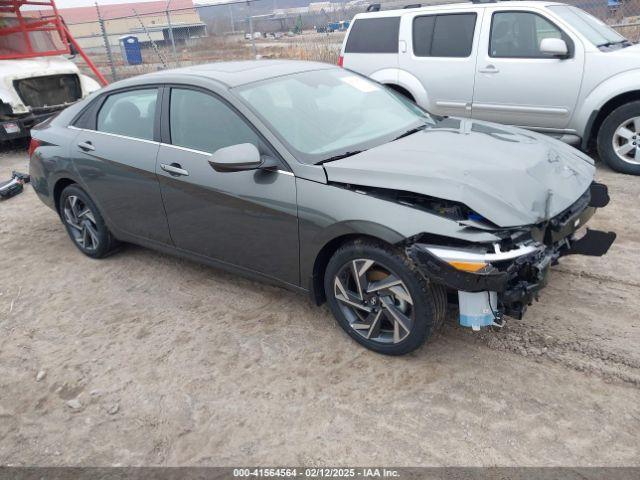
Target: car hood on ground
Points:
(510, 176)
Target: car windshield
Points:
(597, 32)
(324, 114)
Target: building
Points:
(317, 7)
(125, 19)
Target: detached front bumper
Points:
(518, 274)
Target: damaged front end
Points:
(505, 277)
(40, 97)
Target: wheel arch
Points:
(598, 116)
(401, 91)
(59, 186)
(316, 283)
(403, 81)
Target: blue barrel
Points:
(130, 48)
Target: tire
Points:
(84, 223)
(400, 318)
(608, 139)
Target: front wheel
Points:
(380, 300)
(619, 139)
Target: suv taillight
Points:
(340, 60)
(33, 144)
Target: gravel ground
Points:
(146, 359)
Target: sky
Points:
(84, 3)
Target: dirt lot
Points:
(145, 359)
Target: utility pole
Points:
(173, 40)
(233, 27)
(253, 40)
(107, 45)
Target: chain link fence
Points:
(134, 38)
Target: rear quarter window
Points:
(374, 35)
(444, 35)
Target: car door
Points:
(440, 49)
(246, 218)
(115, 155)
(518, 85)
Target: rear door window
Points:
(130, 113)
(374, 35)
(447, 35)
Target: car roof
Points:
(466, 5)
(233, 74)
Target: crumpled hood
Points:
(511, 176)
(38, 66)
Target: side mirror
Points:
(244, 156)
(554, 47)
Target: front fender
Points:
(356, 227)
(619, 84)
(328, 212)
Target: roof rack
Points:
(376, 7)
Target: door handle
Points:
(86, 146)
(174, 169)
(489, 69)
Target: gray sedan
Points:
(325, 182)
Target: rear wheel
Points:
(380, 300)
(619, 139)
(84, 224)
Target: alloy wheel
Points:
(79, 217)
(626, 141)
(374, 300)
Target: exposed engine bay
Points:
(502, 278)
(42, 93)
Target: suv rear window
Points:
(374, 35)
(448, 35)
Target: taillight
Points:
(33, 144)
(340, 60)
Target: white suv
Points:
(549, 67)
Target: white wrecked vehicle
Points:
(31, 90)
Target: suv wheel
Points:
(619, 139)
(84, 224)
(380, 300)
